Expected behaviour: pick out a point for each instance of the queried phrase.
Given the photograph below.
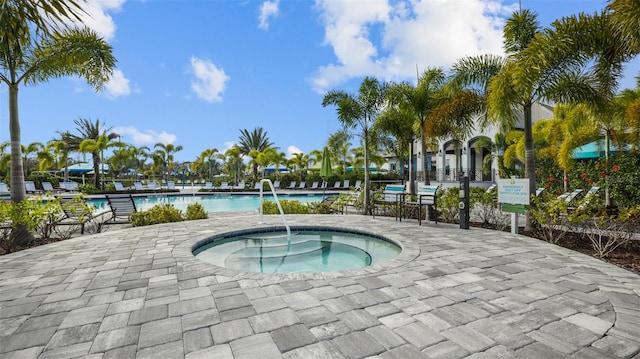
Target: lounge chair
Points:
(257, 186)
(539, 191)
(324, 184)
(69, 186)
(587, 198)
(77, 212)
(292, 185)
(240, 185)
(302, 185)
(171, 185)
(4, 189)
(224, 185)
(570, 196)
(276, 184)
(314, 185)
(122, 207)
(208, 186)
(152, 186)
(358, 184)
(138, 186)
(119, 187)
(30, 187)
(337, 185)
(345, 184)
(48, 187)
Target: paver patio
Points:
(139, 293)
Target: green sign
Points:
(514, 208)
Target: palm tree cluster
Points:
(575, 64)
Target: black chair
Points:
(122, 207)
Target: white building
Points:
(452, 159)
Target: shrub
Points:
(160, 213)
(28, 213)
(196, 211)
(550, 213)
(288, 206)
(448, 204)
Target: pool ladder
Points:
(275, 198)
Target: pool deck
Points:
(452, 293)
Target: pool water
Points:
(211, 203)
(308, 250)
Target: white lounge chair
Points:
(118, 186)
(138, 186)
(314, 185)
(30, 187)
(240, 185)
(224, 185)
(302, 185)
(292, 185)
(171, 185)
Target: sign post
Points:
(513, 194)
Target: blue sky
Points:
(196, 72)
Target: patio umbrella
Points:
(326, 170)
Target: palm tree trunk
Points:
(367, 184)
(530, 160)
(412, 171)
(96, 169)
(425, 158)
(20, 234)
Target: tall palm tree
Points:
(166, 152)
(88, 130)
(33, 147)
(254, 140)
(233, 161)
(97, 147)
(299, 162)
(360, 112)
(32, 51)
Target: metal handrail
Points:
(275, 197)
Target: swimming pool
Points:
(211, 203)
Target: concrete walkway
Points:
(139, 293)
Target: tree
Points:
(96, 147)
(233, 161)
(254, 140)
(88, 130)
(299, 162)
(165, 152)
(360, 112)
(33, 147)
(206, 158)
(33, 51)
(338, 145)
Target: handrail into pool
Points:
(275, 197)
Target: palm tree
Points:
(361, 112)
(233, 161)
(33, 147)
(338, 145)
(299, 161)
(96, 147)
(88, 130)
(166, 152)
(206, 157)
(32, 51)
(254, 140)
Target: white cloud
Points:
(388, 39)
(118, 85)
(96, 16)
(209, 82)
(292, 150)
(150, 137)
(268, 9)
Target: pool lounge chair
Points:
(4, 190)
(208, 186)
(292, 185)
(314, 185)
(358, 185)
(69, 186)
(257, 186)
(122, 207)
(302, 185)
(336, 185)
(48, 187)
(224, 186)
(152, 186)
(240, 185)
(77, 213)
(276, 184)
(345, 184)
(138, 186)
(30, 187)
(171, 185)
(119, 187)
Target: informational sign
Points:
(513, 191)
